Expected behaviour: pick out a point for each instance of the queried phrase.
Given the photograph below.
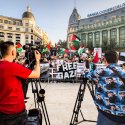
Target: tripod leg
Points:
(34, 92)
(91, 90)
(79, 99)
(45, 113)
(78, 102)
(44, 109)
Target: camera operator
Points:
(111, 94)
(12, 106)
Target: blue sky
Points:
(53, 15)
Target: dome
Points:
(28, 14)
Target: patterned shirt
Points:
(110, 90)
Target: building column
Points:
(5, 36)
(13, 37)
(109, 35)
(100, 38)
(86, 38)
(118, 37)
(93, 39)
(69, 41)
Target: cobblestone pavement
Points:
(60, 99)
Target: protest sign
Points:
(66, 71)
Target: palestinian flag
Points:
(49, 46)
(19, 47)
(62, 51)
(75, 41)
(95, 60)
(81, 50)
(44, 50)
(73, 47)
(56, 46)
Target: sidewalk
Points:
(60, 99)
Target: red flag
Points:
(48, 46)
(57, 47)
(73, 48)
(66, 51)
(18, 45)
(73, 37)
(95, 60)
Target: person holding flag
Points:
(19, 47)
(96, 58)
(75, 42)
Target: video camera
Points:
(29, 54)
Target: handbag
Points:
(34, 117)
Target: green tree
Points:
(105, 45)
(90, 45)
(108, 45)
(112, 44)
(62, 44)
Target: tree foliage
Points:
(112, 44)
(62, 44)
(90, 45)
(104, 45)
(108, 45)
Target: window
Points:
(32, 30)
(10, 40)
(1, 27)
(9, 35)
(26, 30)
(27, 24)
(122, 36)
(113, 32)
(31, 37)
(26, 37)
(105, 17)
(14, 22)
(9, 28)
(9, 22)
(97, 38)
(1, 21)
(90, 37)
(91, 20)
(17, 29)
(26, 41)
(1, 34)
(18, 23)
(17, 40)
(18, 36)
(105, 35)
(5, 21)
(83, 37)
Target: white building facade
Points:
(107, 25)
(22, 30)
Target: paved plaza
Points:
(60, 99)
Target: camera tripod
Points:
(79, 99)
(39, 98)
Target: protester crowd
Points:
(109, 92)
